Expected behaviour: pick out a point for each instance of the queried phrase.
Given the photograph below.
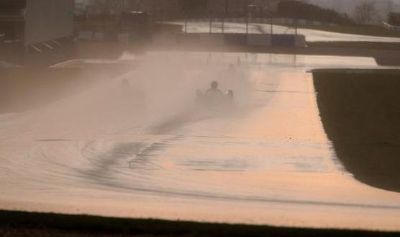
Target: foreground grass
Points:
(360, 113)
(15, 223)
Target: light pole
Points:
(225, 12)
(250, 8)
(270, 13)
(210, 26)
(186, 21)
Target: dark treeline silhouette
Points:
(240, 8)
(193, 5)
(214, 8)
(170, 9)
(193, 8)
(300, 10)
(394, 19)
(14, 4)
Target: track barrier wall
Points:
(266, 40)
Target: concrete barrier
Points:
(267, 40)
(235, 39)
(283, 40)
(259, 40)
(286, 40)
(165, 38)
(300, 41)
(184, 38)
(212, 39)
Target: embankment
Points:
(360, 111)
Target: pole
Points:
(223, 24)
(270, 13)
(223, 19)
(272, 27)
(247, 17)
(210, 26)
(186, 15)
(226, 12)
(153, 9)
(247, 25)
(246, 12)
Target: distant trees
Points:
(388, 10)
(300, 10)
(228, 8)
(108, 5)
(389, 6)
(366, 12)
(193, 6)
(394, 19)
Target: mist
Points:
(157, 95)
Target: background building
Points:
(34, 27)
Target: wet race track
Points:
(143, 148)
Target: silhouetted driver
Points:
(214, 93)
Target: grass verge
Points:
(360, 111)
(43, 224)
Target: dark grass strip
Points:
(19, 222)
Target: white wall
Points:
(48, 19)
